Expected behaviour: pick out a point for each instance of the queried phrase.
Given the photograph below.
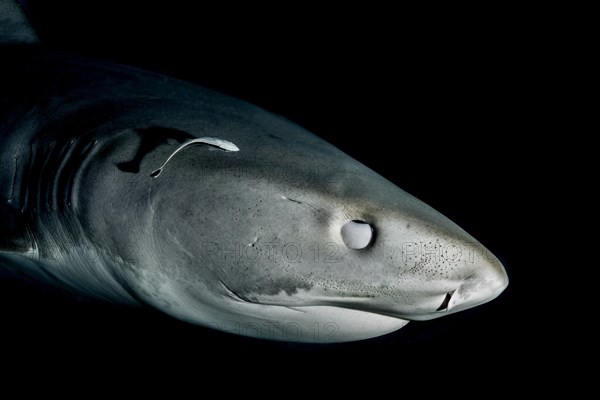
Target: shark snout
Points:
(482, 281)
(485, 283)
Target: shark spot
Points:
(356, 234)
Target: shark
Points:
(136, 188)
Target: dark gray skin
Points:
(244, 241)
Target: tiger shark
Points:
(136, 188)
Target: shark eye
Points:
(357, 234)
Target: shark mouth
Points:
(446, 302)
(355, 303)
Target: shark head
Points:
(291, 239)
(240, 220)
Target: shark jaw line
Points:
(301, 303)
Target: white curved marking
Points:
(220, 143)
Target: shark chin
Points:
(306, 324)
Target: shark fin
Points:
(14, 26)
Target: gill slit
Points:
(87, 153)
(44, 170)
(14, 182)
(64, 155)
(24, 200)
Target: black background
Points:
(437, 101)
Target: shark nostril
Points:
(444, 305)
